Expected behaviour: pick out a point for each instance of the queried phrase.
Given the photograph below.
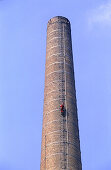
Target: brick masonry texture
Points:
(60, 148)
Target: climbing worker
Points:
(62, 108)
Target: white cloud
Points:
(100, 15)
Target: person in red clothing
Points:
(62, 108)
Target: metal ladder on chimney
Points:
(65, 119)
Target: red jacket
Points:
(62, 107)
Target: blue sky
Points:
(23, 26)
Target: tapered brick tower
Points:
(60, 135)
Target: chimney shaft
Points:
(60, 147)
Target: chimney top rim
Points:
(58, 19)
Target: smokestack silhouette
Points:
(60, 147)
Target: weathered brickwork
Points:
(60, 148)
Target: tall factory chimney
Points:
(60, 148)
